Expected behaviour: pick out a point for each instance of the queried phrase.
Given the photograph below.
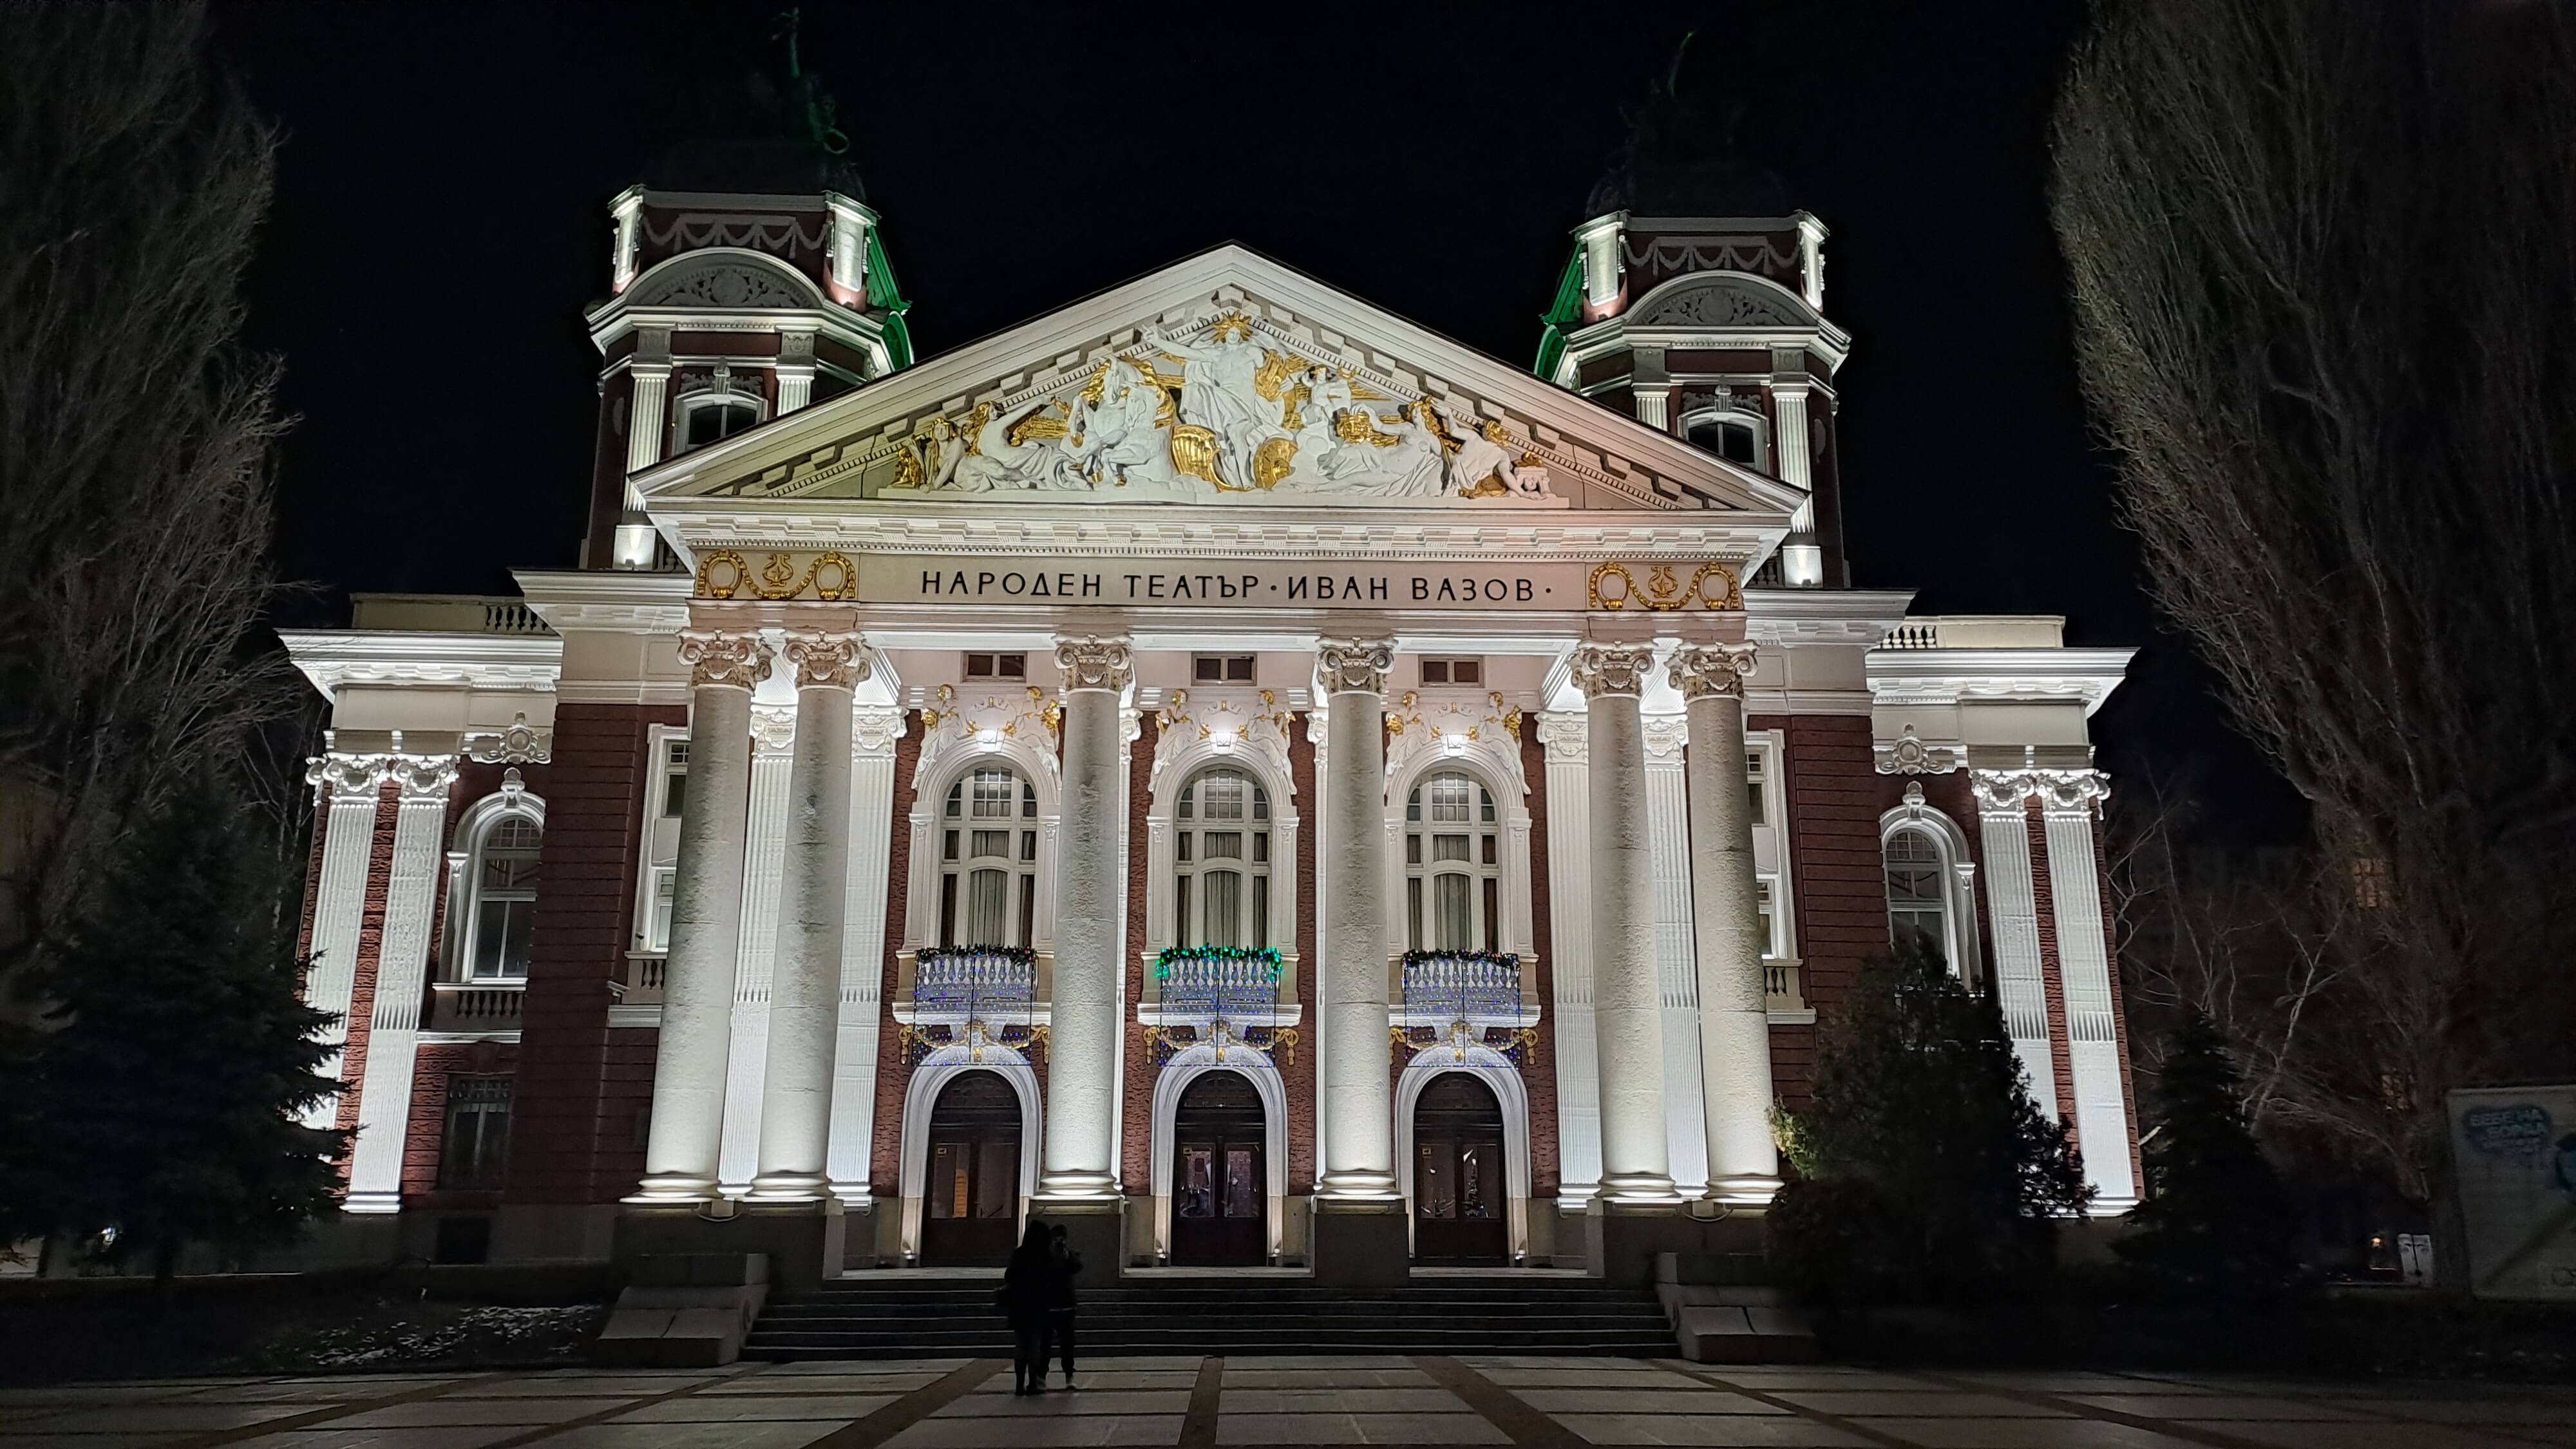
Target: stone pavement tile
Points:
(1311, 1378)
(33, 1439)
(1422, 1429)
(377, 1383)
(931, 1366)
(1158, 1361)
(2344, 1435)
(1309, 1362)
(446, 1436)
(2072, 1383)
(1775, 1380)
(1341, 1401)
(1921, 1402)
(334, 1392)
(2466, 1411)
(1060, 1403)
(592, 1385)
(2025, 1434)
(166, 1418)
(1723, 1430)
(1703, 1399)
(1126, 1378)
(764, 1385)
(444, 1411)
(54, 1395)
(1039, 1433)
(1287, 1429)
(773, 1434)
(1575, 1378)
(702, 1409)
(2212, 1406)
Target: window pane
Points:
(675, 793)
(997, 1172)
(1260, 912)
(948, 845)
(1448, 799)
(986, 901)
(1028, 911)
(1413, 913)
(1243, 1195)
(1195, 1196)
(1224, 907)
(994, 793)
(1261, 846)
(1412, 849)
(1182, 925)
(1435, 671)
(948, 1180)
(948, 910)
(1467, 671)
(992, 842)
(1028, 845)
(1435, 1187)
(1222, 845)
(664, 879)
(1448, 847)
(1222, 796)
(1493, 936)
(1456, 931)
(515, 938)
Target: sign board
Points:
(2515, 1149)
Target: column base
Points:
(790, 1187)
(672, 1189)
(1361, 1243)
(1357, 1186)
(1076, 1187)
(366, 1203)
(1094, 1228)
(1638, 1188)
(802, 1241)
(1754, 1190)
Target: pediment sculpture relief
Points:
(1220, 408)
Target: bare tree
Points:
(135, 444)
(2323, 255)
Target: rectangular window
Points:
(1224, 908)
(1493, 913)
(1181, 922)
(501, 939)
(1221, 669)
(475, 1152)
(1413, 912)
(948, 911)
(1757, 779)
(986, 899)
(1453, 671)
(1028, 909)
(1260, 911)
(675, 779)
(1762, 905)
(1456, 930)
(658, 935)
(997, 666)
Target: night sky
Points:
(440, 225)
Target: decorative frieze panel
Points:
(1023, 723)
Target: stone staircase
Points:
(909, 1316)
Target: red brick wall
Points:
(421, 1148)
(2051, 972)
(371, 940)
(885, 1165)
(580, 1086)
(1538, 1063)
(1136, 1090)
(1835, 796)
(1300, 1071)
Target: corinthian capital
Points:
(1094, 663)
(1713, 671)
(1354, 666)
(2002, 792)
(346, 774)
(423, 777)
(2072, 792)
(1568, 737)
(1611, 669)
(724, 657)
(827, 661)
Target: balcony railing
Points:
(643, 986)
(476, 1005)
(1781, 988)
(1476, 987)
(959, 984)
(1202, 984)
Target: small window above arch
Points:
(1735, 434)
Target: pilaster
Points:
(348, 828)
(1676, 958)
(402, 979)
(1569, 893)
(773, 740)
(2068, 799)
(2012, 904)
(874, 732)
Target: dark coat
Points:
(1028, 1286)
(1067, 1264)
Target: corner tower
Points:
(728, 309)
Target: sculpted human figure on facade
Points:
(1220, 392)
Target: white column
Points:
(1735, 1025)
(2012, 903)
(649, 376)
(402, 975)
(863, 948)
(1677, 968)
(1602, 273)
(1650, 388)
(1635, 1164)
(1082, 1101)
(2067, 802)
(764, 863)
(1569, 947)
(1358, 1086)
(805, 991)
(1801, 558)
(340, 901)
(680, 1155)
(795, 371)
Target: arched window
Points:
(503, 884)
(1453, 879)
(1221, 851)
(712, 417)
(988, 860)
(1732, 434)
(1918, 896)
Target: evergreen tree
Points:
(2215, 1223)
(154, 1104)
(1927, 1172)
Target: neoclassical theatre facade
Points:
(1218, 764)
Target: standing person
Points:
(1028, 1292)
(1061, 1303)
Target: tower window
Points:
(714, 417)
(1732, 433)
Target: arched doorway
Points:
(971, 1193)
(1220, 1188)
(1461, 1211)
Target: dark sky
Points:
(440, 226)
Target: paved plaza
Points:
(957, 1403)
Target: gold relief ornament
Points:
(827, 661)
(1194, 453)
(1609, 669)
(1713, 586)
(723, 574)
(721, 657)
(1704, 671)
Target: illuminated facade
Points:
(1217, 761)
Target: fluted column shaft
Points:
(402, 978)
(1734, 1019)
(805, 978)
(1083, 1018)
(687, 1134)
(1359, 1098)
(1636, 1160)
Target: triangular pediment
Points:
(1224, 380)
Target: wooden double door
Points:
(971, 1197)
(1220, 1174)
(1461, 1204)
